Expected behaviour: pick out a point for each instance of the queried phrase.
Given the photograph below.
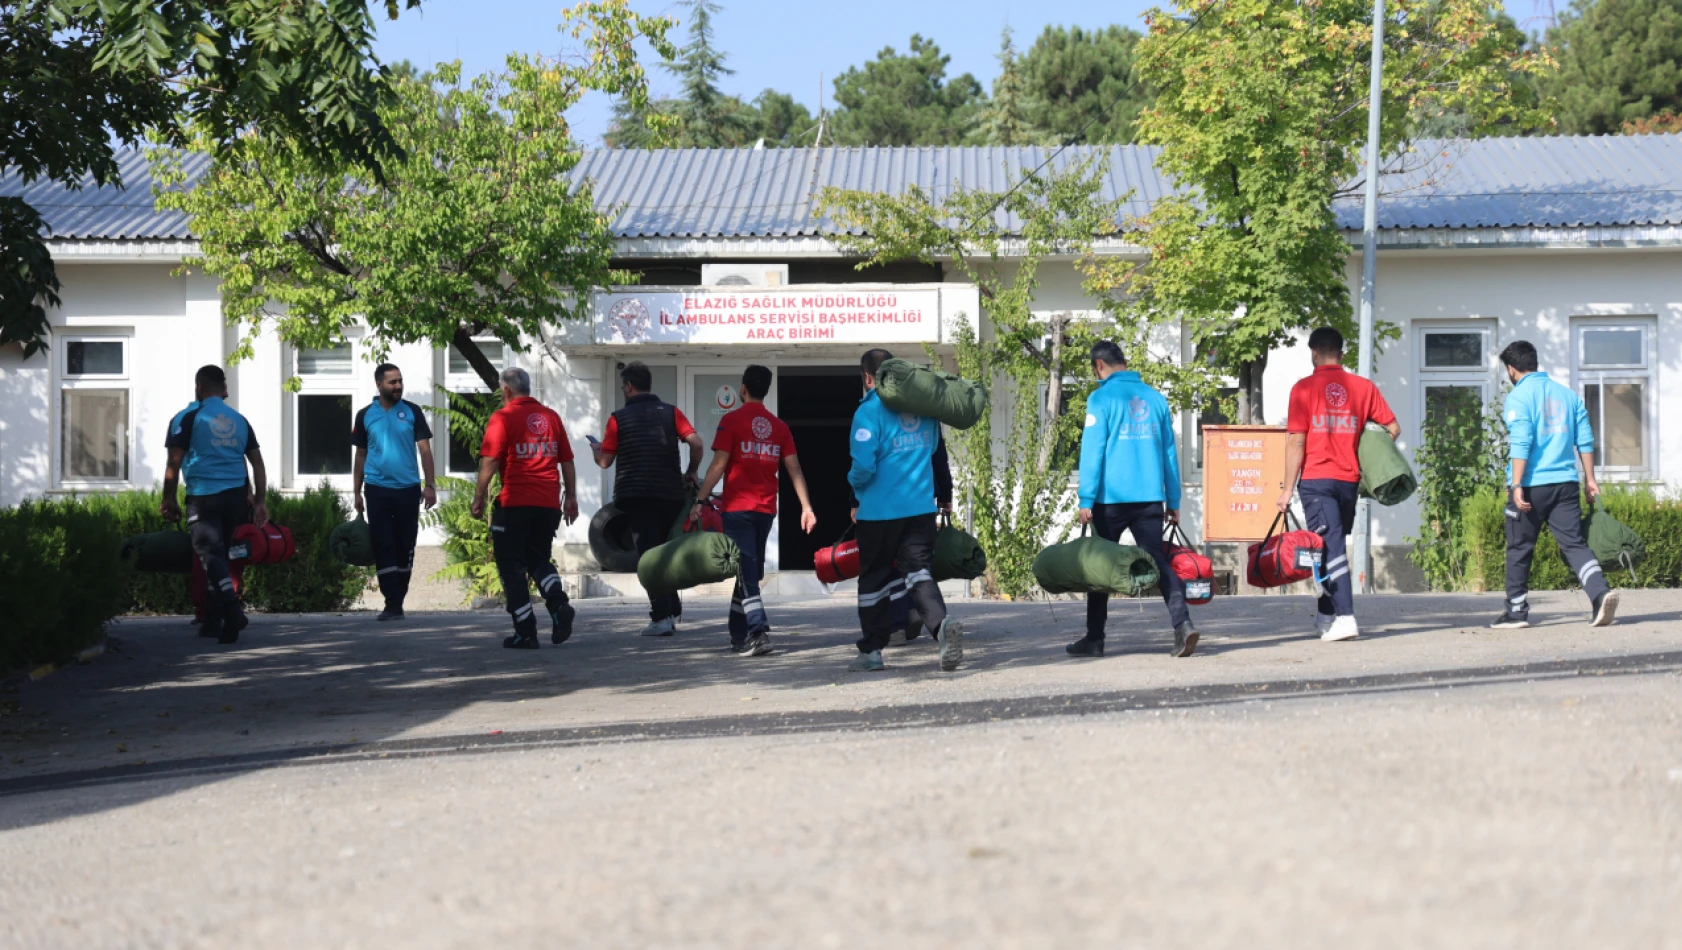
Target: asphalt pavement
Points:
(332, 781)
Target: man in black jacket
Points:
(643, 438)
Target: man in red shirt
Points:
(750, 446)
(1329, 411)
(525, 443)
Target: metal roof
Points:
(1558, 182)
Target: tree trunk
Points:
(1250, 392)
(469, 349)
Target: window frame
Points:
(64, 382)
(350, 384)
(443, 449)
(1429, 377)
(1645, 374)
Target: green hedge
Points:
(1482, 530)
(61, 579)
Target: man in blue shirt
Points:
(1130, 481)
(1548, 434)
(210, 445)
(386, 434)
(892, 477)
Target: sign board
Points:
(878, 314)
(1243, 474)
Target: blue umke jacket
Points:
(892, 473)
(1127, 449)
(1547, 425)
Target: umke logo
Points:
(1336, 396)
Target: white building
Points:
(1572, 243)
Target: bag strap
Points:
(1255, 561)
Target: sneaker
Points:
(659, 628)
(390, 613)
(517, 642)
(950, 636)
(1342, 628)
(560, 624)
(738, 646)
(1606, 610)
(1085, 646)
(1185, 639)
(1322, 623)
(1511, 621)
(210, 628)
(756, 646)
(867, 663)
(232, 624)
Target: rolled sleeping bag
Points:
(1386, 476)
(957, 555)
(907, 387)
(160, 552)
(1090, 565)
(611, 541)
(704, 557)
(837, 562)
(353, 543)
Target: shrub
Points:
(1463, 452)
(1482, 533)
(467, 540)
(61, 579)
(314, 580)
(132, 513)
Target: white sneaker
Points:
(1322, 623)
(659, 628)
(1343, 628)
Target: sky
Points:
(787, 45)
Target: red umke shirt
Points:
(757, 442)
(1333, 406)
(528, 439)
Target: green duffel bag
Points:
(957, 555)
(1613, 542)
(705, 557)
(161, 552)
(907, 387)
(1386, 476)
(352, 543)
(1090, 565)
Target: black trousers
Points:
(1561, 509)
(1329, 507)
(211, 520)
(909, 544)
(522, 539)
(651, 524)
(1144, 519)
(394, 521)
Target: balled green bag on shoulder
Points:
(1386, 476)
(907, 387)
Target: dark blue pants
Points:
(1328, 505)
(394, 521)
(750, 530)
(1144, 519)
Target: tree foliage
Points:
(1007, 120)
(906, 99)
(1015, 465)
(475, 230)
(1080, 85)
(1261, 115)
(1620, 61)
(80, 78)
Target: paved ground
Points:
(334, 782)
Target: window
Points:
(1456, 371)
(468, 393)
(1613, 370)
(1211, 415)
(324, 410)
(490, 346)
(464, 454)
(94, 410)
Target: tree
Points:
(1075, 80)
(476, 230)
(1619, 61)
(701, 115)
(1261, 115)
(780, 121)
(1015, 466)
(906, 100)
(79, 78)
(1006, 116)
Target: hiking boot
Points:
(1511, 621)
(232, 624)
(950, 636)
(867, 663)
(1342, 628)
(1185, 639)
(659, 628)
(390, 613)
(517, 642)
(1606, 609)
(757, 645)
(1085, 646)
(560, 623)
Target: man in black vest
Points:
(643, 438)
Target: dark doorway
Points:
(817, 402)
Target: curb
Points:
(39, 673)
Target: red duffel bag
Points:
(262, 544)
(1197, 571)
(838, 562)
(1281, 559)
